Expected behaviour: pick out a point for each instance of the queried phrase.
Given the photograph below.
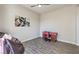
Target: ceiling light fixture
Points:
(39, 5)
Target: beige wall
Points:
(77, 25)
(1, 17)
(23, 33)
(61, 21)
(65, 21)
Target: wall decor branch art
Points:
(21, 21)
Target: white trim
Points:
(58, 40)
(30, 39)
(68, 42)
(77, 44)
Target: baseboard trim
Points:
(57, 40)
(30, 39)
(68, 42)
(77, 44)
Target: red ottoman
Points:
(53, 36)
(45, 34)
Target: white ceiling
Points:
(44, 8)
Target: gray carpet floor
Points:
(40, 46)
